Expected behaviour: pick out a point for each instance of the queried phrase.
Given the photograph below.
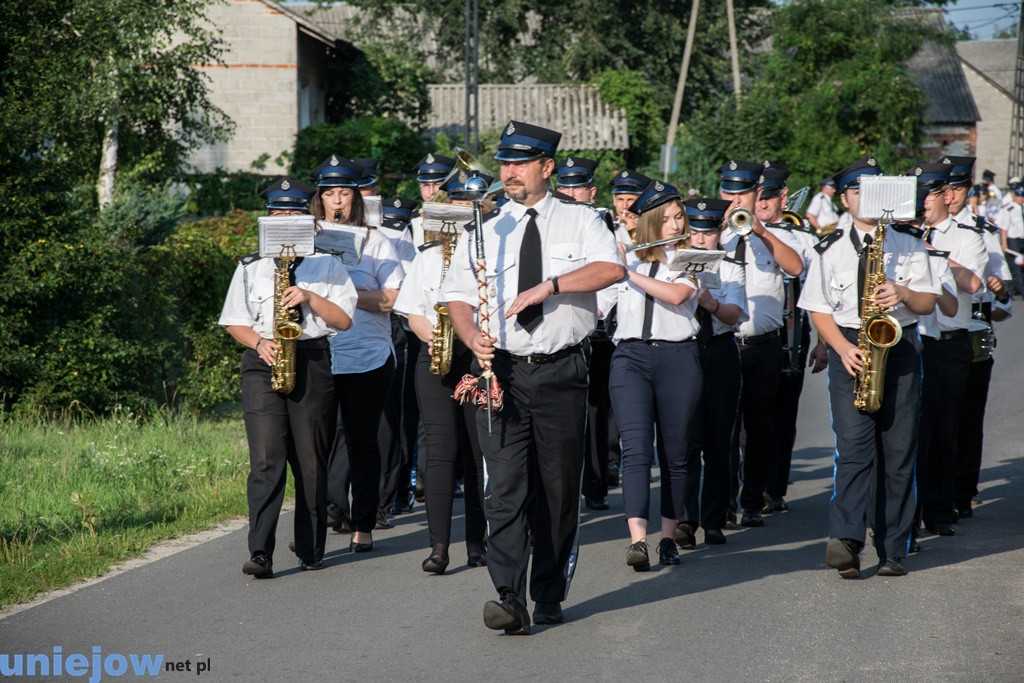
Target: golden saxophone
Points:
(443, 333)
(879, 331)
(286, 326)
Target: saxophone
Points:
(879, 331)
(286, 326)
(443, 333)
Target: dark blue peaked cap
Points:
(654, 195)
(850, 176)
(523, 141)
(772, 182)
(629, 182)
(369, 171)
(576, 172)
(288, 194)
(930, 177)
(397, 207)
(434, 167)
(739, 176)
(338, 172)
(706, 214)
(960, 169)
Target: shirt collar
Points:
(943, 226)
(543, 207)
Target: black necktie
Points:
(707, 329)
(531, 271)
(649, 306)
(862, 272)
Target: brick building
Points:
(272, 81)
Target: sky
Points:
(983, 17)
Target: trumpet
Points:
(658, 243)
(740, 222)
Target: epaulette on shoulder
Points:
(986, 224)
(781, 225)
(733, 261)
(249, 258)
(828, 240)
(428, 245)
(938, 253)
(491, 214)
(608, 220)
(907, 229)
(973, 228)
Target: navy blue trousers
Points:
(655, 383)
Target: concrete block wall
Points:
(256, 85)
(996, 108)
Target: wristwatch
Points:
(554, 283)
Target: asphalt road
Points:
(762, 607)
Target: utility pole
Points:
(677, 104)
(472, 137)
(1016, 165)
(731, 16)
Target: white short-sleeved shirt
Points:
(730, 290)
(250, 299)
(368, 344)
(609, 296)
(764, 283)
(422, 285)
(668, 322)
(402, 241)
(572, 235)
(823, 210)
(831, 286)
(933, 324)
(997, 265)
(966, 247)
(1011, 221)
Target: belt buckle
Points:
(530, 360)
(652, 342)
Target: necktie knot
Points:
(531, 212)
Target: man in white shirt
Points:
(545, 258)
(1011, 223)
(822, 212)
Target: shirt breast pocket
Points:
(261, 293)
(501, 283)
(766, 274)
(843, 293)
(903, 271)
(566, 257)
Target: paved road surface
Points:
(762, 607)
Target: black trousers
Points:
(297, 428)
(761, 366)
(394, 453)
(599, 418)
(712, 434)
(411, 422)
(1016, 272)
(450, 431)
(875, 452)
(534, 460)
(656, 384)
(971, 438)
(947, 367)
(355, 456)
(787, 404)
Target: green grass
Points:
(78, 497)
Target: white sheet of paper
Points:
(442, 217)
(278, 231)
(694, 261)
(344, 240)
(883, 193)
(371, 210)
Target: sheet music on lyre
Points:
(372, 210)
(442, 217)
(346, 241)
(276, 232)
(700, 263)
(880, 194)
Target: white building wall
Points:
(993, 150)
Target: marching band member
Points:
(947, 352)
(430, 173)
(627, 186)
(656, 379)
(296, 427)
(450, 428)
(766, 260)
(875, 452)
(533, 446)
(723, 305)
(821, 212)
(368, 176)
(363, 363)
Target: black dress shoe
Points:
(637, 558)
(730, 522)
(360, 547)
(383, 522)
(419, 492)
(340, 523)
(476, 554)
(259, 566)
(668, 553)
(311, 566)
(684, 536)
(752, 518)
(714, 537)
(965, 512)
(508, 614)
(548, 613)
(438, 560)
(843, 554)
(941, 529)
(892, 566)
(766, 505)
(914, 547)
(401, 508)
(595, 504)
(779, 504)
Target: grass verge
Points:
(78, 497)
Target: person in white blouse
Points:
(722, 302)
(656, 377)
(296, 427)
(363, 362)
(875, 452)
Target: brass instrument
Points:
(464, 161)
(443, 332)
(879, 331)
(286, 326)
(826, 229)
(740, 222)
(793, 218)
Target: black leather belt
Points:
(757, 338)
(658, 342)
(952, 334)
(540, 358)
